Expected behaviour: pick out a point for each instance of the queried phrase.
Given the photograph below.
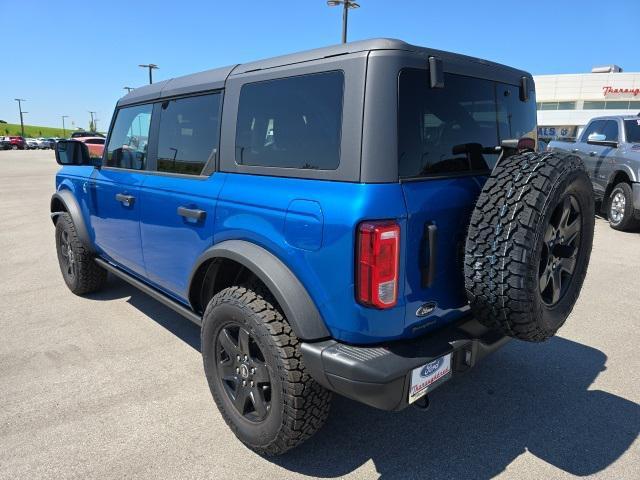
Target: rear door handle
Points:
(126, 200)
(430, 247)
(192, 213)
(575, 150)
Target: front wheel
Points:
(621, 208)
(79, 270)
(255, 372)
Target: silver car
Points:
(610, 149)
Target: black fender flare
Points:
(297, 306)
(68, 200)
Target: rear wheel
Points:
(255, 372)
(621, 208)
(529, 244)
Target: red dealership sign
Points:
(609, 90)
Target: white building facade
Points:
(567, 102)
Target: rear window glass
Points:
(456, 129)
(293, 122)
(189, 132)
(632, 129)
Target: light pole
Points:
(92, 125)
(128, 89)
(150, 66)
(346, 5)
(20, 100)
(64, 131)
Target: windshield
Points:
(456, 129)
(632, 129)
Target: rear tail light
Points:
(377, 263)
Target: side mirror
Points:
(72, 152)
(601, 139)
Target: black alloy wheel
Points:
(243, 371)
(560, 251)
(67, 256)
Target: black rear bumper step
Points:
(379, 376)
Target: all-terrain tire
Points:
(511, 260)
(79, 270)
(621, 198)
(299, 405)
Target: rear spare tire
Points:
(529, 244)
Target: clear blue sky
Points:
(70, 57)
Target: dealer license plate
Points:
(429, 376)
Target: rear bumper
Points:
(380, 376)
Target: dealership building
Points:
(567, 102)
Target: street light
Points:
(64, 131)
(150, 66)
(128, 89)
(20, 100)
(346, 5)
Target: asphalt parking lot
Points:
(112, 385)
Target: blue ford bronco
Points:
(369, 219)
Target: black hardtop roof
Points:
(216, 78)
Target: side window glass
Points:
(611, 130)
(594, 127)
(293, 122)
(130, 138)
(189, 133)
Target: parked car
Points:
(82, 133)
(5, 143)
(17, 143)
(94, 144)
(31, 144)
(610, 149)
(52, 142)
(43, 143)
(369, 219)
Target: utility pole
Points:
(346, 5)
(151, 67)
(92, 124)
(64, 131)
(128, 89)
(20, 100)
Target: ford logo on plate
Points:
(431, 367)
(426, 309)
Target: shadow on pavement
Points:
(526, 397)
(163, 316)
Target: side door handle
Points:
(429, 254)
(593, 154)
(192, 213)
(575, 150)
(126, 200)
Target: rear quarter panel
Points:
(310, 225)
